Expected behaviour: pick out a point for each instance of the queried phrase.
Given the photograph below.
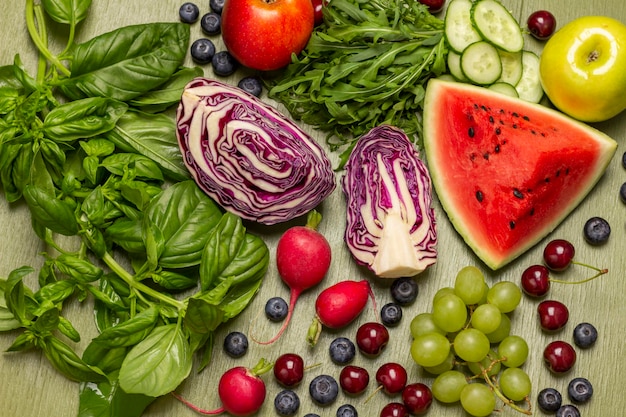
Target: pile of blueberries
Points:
(203, 50)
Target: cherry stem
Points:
(372, 394)
(599, 274)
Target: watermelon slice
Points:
(506, 171)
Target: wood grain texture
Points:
(30, 387)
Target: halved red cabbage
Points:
(390, 219)
(247, 156)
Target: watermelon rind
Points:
(563, 141)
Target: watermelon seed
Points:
(470, 132)
(517, 193)
(498, 131)
(514, 125)
(512, 224)
(526, 118)
(532, 211)
(486, 156)
(515, 114)
(491, 119)
(497, 148)
(479, 196)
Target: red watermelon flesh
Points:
(506, 171)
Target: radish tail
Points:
(292, 303)
(196, 408)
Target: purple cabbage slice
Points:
(390, 220)
(247, 156)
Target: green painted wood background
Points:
(30, 387)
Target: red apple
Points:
(262, 34)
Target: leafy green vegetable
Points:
(367, 65)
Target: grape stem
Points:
(496, 389)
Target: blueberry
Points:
(188, 13)
(342, 350)
(391, 314)
(323, 389)
(251, 85)
(568, 410)
(624, 159)
(622, 192)
(580, 390)
(202, 51)
(236, 344)
(404, 290)
(347, 410)
(276, 309)
(216, 5)
(223, 63)
(549, 399)
(596, 231)
(311, 415)
(585, 335)
(286, 403)
(211, 23)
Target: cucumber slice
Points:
(458, 28)
(511, 67)
(481, 63)
(504, 88)
(496, 25)
(529, 86)
(454, 66)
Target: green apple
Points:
(583, 68)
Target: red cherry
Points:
(541, 24)
(536, 280)
(553, 315)
(289, 369)
(558, 254)
(371, 338)
(392, 377)
(353, 379)
(394, 410)
(318, 6)
(434, 6)
(560, 356)
(417, 398)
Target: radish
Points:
(240, 389)
(338, 305)
(303, 257)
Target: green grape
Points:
(489, 362)
(471, 345)
(504, 329)
(505, 295)
(515, 384)
(423, 324)
(478, 399)
(450, 313)
(447, 386)
(483, 300)
(486, 318)
(430, 349)
(514, 350)
(444, 366)
(441, 292)
(470, 285)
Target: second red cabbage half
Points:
(390, 220)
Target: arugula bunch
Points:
(89, 145)
(368, 64)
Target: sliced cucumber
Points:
(458, 28)
(454, 66)
(511, 67)
(504, 88)
(529, 86)
(497, 25)
(481, 63)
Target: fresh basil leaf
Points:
(141, 166)
(55, 292)
(107, 399)
(93, 206)
(51, 212)
(174, 281)
(8, 98)
(239, 297)
(184, 216)
(202, 317)
(127, 234)
(130, 332)
(127, 62)
(47, 322)
(69, 12)
(83, 118)
(8, 171)
(232, 252)
(79, 269)
(169, 93)
(7, 320)
(15, 293)
(109, 360)
(8, 79)
(158, 364)
(154, 136)
(24, 341)
(67, 328)
(138, 193)
(67, 362)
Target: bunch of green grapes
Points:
(466, 341)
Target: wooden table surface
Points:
(30, 387)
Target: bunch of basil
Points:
(90, 147)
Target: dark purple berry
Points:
(585, 335)
(224, 63)
(391, 314)
(404, 290)
(251, 85)
(216, 5)
(342, 350)
(211, 23)
(235, 344)
(549, 399)
(568, 410)
(202, 51)
(580, 390)
(622, 192)
(276, 309)
(286, 403)
(188, 12)
(347, 410)
(324, 389)
(596, 231)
